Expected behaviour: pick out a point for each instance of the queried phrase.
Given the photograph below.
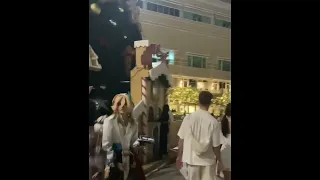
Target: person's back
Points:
(202, 126)
(199, 144)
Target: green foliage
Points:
(188, 95)
(184, 95)
(223, 100)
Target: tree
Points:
(184, 96)
(224, 99)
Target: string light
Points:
(95, 8)
(112, 22)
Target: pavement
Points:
(153, 165)
(169, 172)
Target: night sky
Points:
(109, 42)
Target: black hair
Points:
(224, 122)
(205, 98)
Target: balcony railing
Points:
(199, 72)
(220, 91)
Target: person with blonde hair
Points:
(120, 135)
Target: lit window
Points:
(215, 86)
(170, 57)
(183, 83)
(228, 87)
(192, 83)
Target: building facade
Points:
(197, 35)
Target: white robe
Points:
(114, 132)
(226, 151)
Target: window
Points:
(187, 15)
(171, 11)
(196, 17)
(222, 85)
(160, 9)
(183, 83)
(218, 22)
(177, 13)
(94, 62)
(170, 57)
(206, 19)
(163, 9)
(228, 87)
(215, 86)
(201, 85)
(197, 61)
(193, 83)
(224, 65)
(155, 58)
(222, 23)
(226, 24)
(152, 7)
(140, 4)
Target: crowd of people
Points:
(204, 147)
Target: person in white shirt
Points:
(199, 143)
(120, 136)
(226, 143)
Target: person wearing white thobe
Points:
(203, 128)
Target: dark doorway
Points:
(164, 130)
(156, 143)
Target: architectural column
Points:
(144, 120)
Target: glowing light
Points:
(170, 58)
(121, 10)
(95, 8)
(125, 37)
(112, 22)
